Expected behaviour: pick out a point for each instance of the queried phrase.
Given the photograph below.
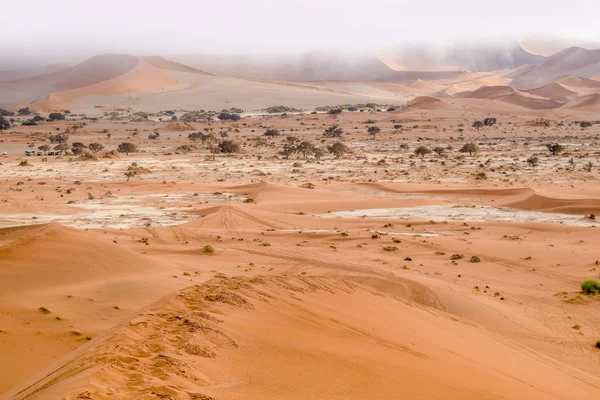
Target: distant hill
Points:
(575, 61)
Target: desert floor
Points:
(379, 275)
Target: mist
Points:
(69, 31)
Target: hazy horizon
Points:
(70, 31)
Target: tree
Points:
(333, 132)
(127, 148)
(288, 150)
(555, 149)
(211, 144)
(318, 153)
(533, 161)
(6, 113)
(489, 121)
(338, 149)
(61, 147)
(44, 148)
(439, 150)
(58, 138)
(96, 147)
(224, 116)
(78, 148)
(4, 123)
(306, 149)
(56, 116)
(272, 133)
(130, 174)
(196, 136)
(25, 111)
(470, 148)
(229, 146)
(422, 151)
(335, 111)
(585, 124)
(374, 130)
(478, 125)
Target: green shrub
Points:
(590, 287)
(208, 249)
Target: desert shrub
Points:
(56, 116)
(4, 123)
(30, 122)
(335, 111)
(489, 121)
(224, 116)
(475, 259)
(374, 130)
(6, 113)
(208, 249)
(229, 147)
(154, 136)
(272, 133)
(25, 111)
(598, 344)
(24, 163)
(585, 124)
(477, 125)
(555, 148)
(58, 138)
(457, 257)
(470, 148)
(533, 161)
(333, 132)
(590, 287)
(95, 147)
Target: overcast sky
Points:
(29, 27)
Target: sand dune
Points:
(590, 102)
(427, 103)
(76, 276)
(238, 338)
(572, 61)
(95, 70)
(511, 96)
(578, 82)
(553, 90)
(145, 77)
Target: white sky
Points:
(273, 27)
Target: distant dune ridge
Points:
(153, 83)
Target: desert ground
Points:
(377, 251)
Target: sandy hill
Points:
(553, 90)
(511, 96)
(590, 102)
(578, 82)
(101, 75)
(75, 276)
(427, 103)
(572, 61)
(300, 338)
(315, 66)
(23, 73)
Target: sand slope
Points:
(79, 277)
(239, 338)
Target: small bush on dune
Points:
(208, 249)
(590, 287)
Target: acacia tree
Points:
(533, 161)
(422, 151)
(333, 132)
(338, 149)
(470, 148)
(478, 125)
(374, 130)
(229, 147)
(96, 147)
(272, 133)
(127, 148)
